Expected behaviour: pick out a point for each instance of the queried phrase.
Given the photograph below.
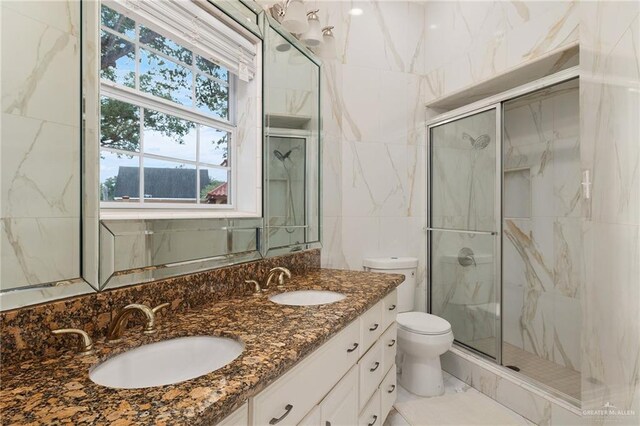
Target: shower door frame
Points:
(493, 102)
(497, 234)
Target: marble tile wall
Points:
(610, 149)
(40, 149)
(468, 42)
(373, 134)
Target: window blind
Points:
(188, 24)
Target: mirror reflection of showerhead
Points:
(481, 142)
(280, 156)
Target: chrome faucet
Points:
(281, 272)
(119, 323)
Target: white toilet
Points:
(422, 337)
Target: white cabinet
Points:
(371, 372)
(238, 417)
(340, 407)
(370, 327)
(389, 341)
(348, 380)
(389, 309)
(313, 418)
(290, 398)
(388, 391)
(371, 414)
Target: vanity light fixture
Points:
(305, 26)
(313, 36)
(356, 11)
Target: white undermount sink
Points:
(307, 297)
(166, 362)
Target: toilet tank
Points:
(397, 265)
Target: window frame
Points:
(137, 97)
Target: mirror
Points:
(292, 144)
(56, 243)
(140, 250)
(40, 148)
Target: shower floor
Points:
(559, 377)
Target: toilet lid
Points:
(423, 323)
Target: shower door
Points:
(463, 227)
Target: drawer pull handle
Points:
(392, 307)
(375, 366)
(355, 346)
(393, 387)
(375, 327)
(274, 420)
(393, 342)
(375, 418)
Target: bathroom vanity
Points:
(312, 364)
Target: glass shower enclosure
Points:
(504, 232)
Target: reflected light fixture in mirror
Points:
(313, 36)
(356, 11)
(328, 48)
(295, 17)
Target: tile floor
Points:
(451, 385)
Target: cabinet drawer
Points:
(238, 417)
(370, 327)
(370, 415)
(388, 392)
(290, 398)
(389, 309)
(389, 343)
(340, 407)
(371, 372)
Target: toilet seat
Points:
(423, 323)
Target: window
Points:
(167, 128)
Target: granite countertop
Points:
(276, 337)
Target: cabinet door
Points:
(340, 406)
(288, 400)
(312, 418)
(240, 417)
(370, 415)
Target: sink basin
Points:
(167, 362)
(307, 297)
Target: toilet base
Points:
(422, 376)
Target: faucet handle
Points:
(254, 284)
(86, 344)
(160, 306)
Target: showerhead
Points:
(478, 143)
